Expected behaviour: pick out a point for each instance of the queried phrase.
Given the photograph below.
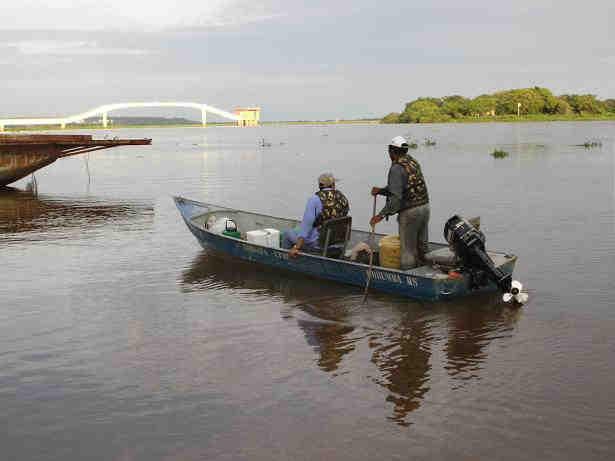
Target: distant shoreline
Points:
(484, 119)
(526, 119)
(515, 105)
(14, 129)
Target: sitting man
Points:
(325, 204)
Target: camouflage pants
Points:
(413, 235)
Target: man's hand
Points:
(375, 191)
(375, 220)
(293, 252)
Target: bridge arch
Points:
(106, 108)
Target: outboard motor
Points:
(468, 243)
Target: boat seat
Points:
(442, 257)
(334, 236)
(445, 256)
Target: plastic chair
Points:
(334, 236)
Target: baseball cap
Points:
(326, 180)
(399, 141)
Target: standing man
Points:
(407, 196)
(326, 203)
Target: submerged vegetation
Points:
(430, 142)
(509, 105)
(499, 153)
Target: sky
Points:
(297, 60)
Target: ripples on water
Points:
(120, 339)
(25, 216)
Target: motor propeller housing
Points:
(468, 242)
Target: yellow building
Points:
(248, 116)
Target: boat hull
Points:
(17, 165)
(434, 287)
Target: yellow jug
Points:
(390, 251)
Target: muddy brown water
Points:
(120, 339)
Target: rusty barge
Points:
(21, 155)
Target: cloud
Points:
(229, 21)
(68, 48)
(138, 15)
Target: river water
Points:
(121, 339)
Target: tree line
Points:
(523, 101)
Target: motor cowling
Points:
(468, 243)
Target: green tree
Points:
(393, 117)
(536, 100)
(483, 104)
(551, 103)
(455, 106)
(436, 101)
(423, 110)
(531, 101)
(563, 107)
(609, 105)
(584, 103)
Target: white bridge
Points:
(242, 119)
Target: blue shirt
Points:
(308, 232)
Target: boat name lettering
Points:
(280, 255)
(412, 282)
(387, 277)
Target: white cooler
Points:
(258, 237)
(265, 237)
(273, 238)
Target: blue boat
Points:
(431, 282)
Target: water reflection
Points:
(331, 341)
(41, 216)
(402, 355)
(321, 313)
(402, 339)
(461, 329)
(217, 271)
(471, 328)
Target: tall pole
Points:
(204, 117)
(371, 253)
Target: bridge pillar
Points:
(63, 125)
(105, 120)
(204, 117)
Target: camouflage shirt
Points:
(334, 205)
(405, 188)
